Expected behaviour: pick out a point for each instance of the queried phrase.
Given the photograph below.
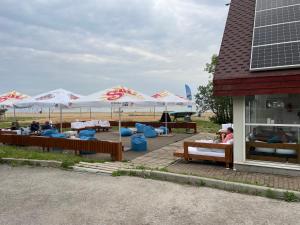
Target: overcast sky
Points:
(86, 46)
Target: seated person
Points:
(47, 126)
(34, 126)
(15, 125)
(228, 137)
(279, 137)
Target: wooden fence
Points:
(115, 149)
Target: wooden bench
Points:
(226, 157)
(115, 149)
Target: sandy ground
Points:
(30, 196)
(72, 116)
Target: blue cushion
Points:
(86, 138)
(165, 129)
(125, 132)
(87, 133)
(49, 133)
(58, 135)
(140, 127)
(150, 132)
(138, 143)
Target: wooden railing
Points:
(108, 147)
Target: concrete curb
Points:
(213, 183)
(31, 162)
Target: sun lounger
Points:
(207, 151)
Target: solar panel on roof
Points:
(276, 35)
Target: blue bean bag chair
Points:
(138, 143)
(150, 132)
(87, 133)
(125, 132)
(49, 133)
(140, 127)
(58, 135)
(86, 138)
(165, 129)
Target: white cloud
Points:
(87, 45)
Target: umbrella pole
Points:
(80, 112)
(111, 111)
(15, 113)
(90, 113)
(166, 119)
(120, 136)
(49, 115)
(60, 119)
(154, 112)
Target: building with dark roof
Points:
(259, 65)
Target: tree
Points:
(222, 107)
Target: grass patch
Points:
(270, 194)
(164, 169)
(200, 183)
(290, 197)
(118, 173)
(22, 153)
(207, 126)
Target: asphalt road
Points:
(45, 196)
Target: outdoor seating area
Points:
(98, 125)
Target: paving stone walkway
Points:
(217, 171)
(163, 157)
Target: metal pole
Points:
(120, 136)
(166, 119)
(49, 115)
(154, 112)
(80, 112)
(111, 111)
(15, 113)
(60, 119)
(90, 113)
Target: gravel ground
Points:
(53, 196)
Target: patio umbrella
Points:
(7, 100)
(58, 98)
(119, 96)
(167, 98)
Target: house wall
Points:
(239, 129)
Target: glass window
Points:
(273, 128)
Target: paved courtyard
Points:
(47, 196)
(163, 158)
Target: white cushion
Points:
(205, 141)
(286, 151)
(95, 123)
(265, 150)
(206, 151)
(89, 124)
(77, 125)
(226, 126)
(104, 123)
(159, 131)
